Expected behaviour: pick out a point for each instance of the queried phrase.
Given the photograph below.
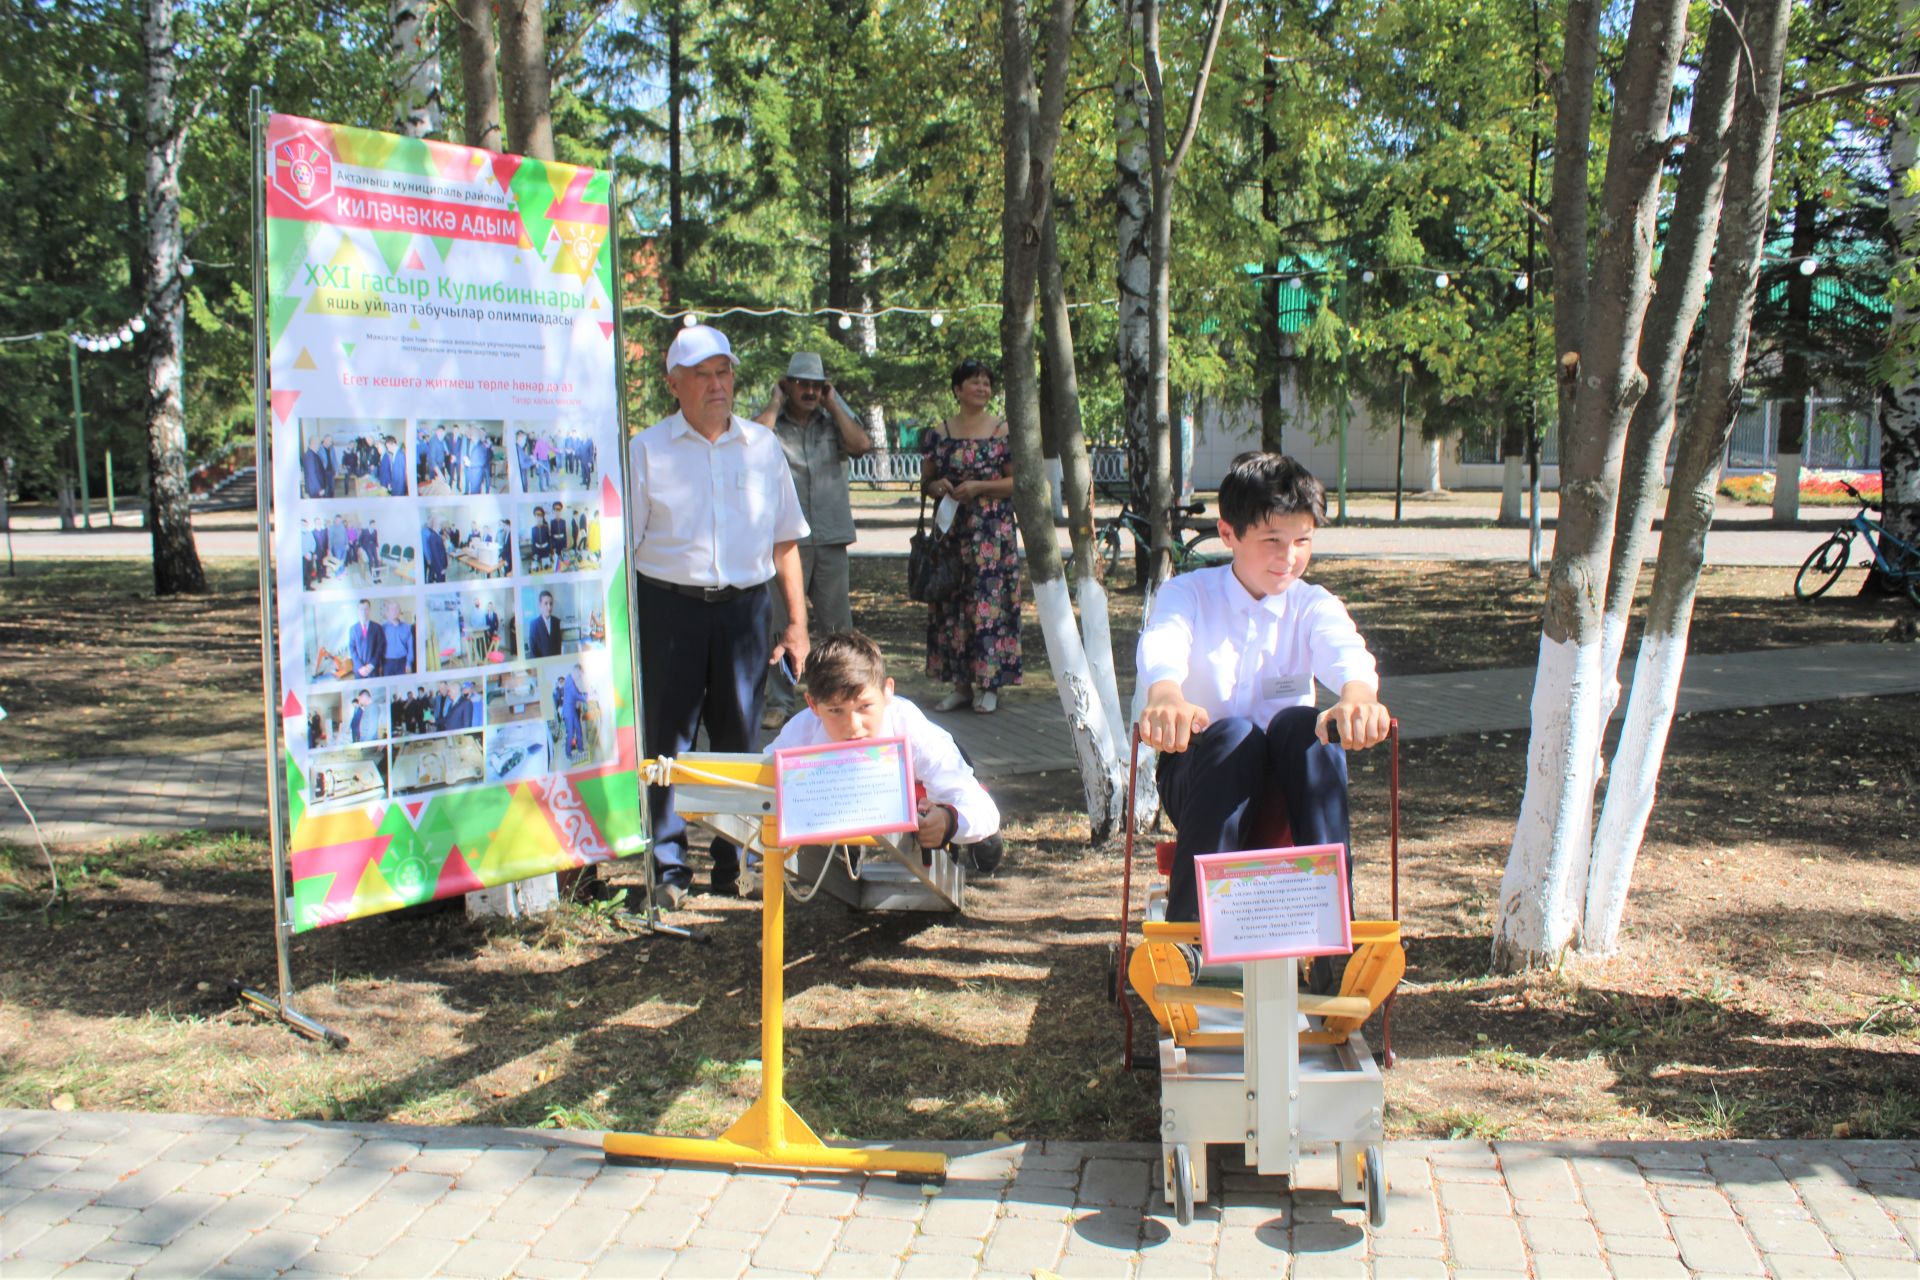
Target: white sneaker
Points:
(954, 701)
(984, 703)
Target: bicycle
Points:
(1896, 561)
(1190, 530)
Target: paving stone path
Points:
(87, 1194)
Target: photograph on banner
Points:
(464, 541)
(579, 707)
(561, 536)
(517, 751)
(463, 304)
(466, 457)
(354, 547)
(559, 618)
(470, 628)
(434, 764)
(348, 717)
(350, 777)
(514, 696)
(555, 456)
(352, 457)
(358, 639)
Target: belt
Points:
(711, 595)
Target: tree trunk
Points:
(479, 83)
(1790, 446)
(1030, 133)
(1567, 207)
(1272, 357)
(1703, 447)
(1513, 472)
(1133, 209)
(413, 53)
(525, 89)
(1900, 396)
(176, 561)
(1692, 228)
(1546, 870)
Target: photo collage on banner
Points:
(454, 653)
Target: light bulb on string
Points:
(1442, 280)
(1809, 265)
(1296, 283)
(186, 266)
(846, 322)
(139, 324)
(1523, 282)
(689, 320)
(936, 320)
(1366, 277)
(126, 333)
(76, 340)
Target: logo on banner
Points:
(303, 170)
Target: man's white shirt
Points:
(1235, 655)
(707, 514)
(937, 763)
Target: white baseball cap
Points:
(697, 343)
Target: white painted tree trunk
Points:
(1543, 887)
(1056, 495)
(1513, 487)
(1089, 722)
(1630, 788)
(1786, 486)
(1433, 467)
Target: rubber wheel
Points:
(1822, 569)
(1376, 1188)
(1183, 1185)
(1110, 552)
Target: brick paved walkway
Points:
(83, 801)
(166, 1195)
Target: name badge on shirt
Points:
(1277, 688)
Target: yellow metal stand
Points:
(771, 1133)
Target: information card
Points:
(844, 790)
(1270, 904)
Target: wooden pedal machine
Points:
(1248, 1058)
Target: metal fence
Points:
(1839, 435)
(902, 466)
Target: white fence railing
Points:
(902, 466)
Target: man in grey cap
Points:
(819, 433)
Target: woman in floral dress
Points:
(973, 637)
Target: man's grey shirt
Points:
(818, 459)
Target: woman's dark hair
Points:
(1259, 486)
(970, 368)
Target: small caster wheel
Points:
(1376, 1187)
(1180, 1163)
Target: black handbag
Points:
(934, 571)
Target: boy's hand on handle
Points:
(938, 824)
(1169, 722)
(1360, 718)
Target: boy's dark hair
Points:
(843, 665)
(1259, 486)
(971, 368)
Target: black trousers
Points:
(700, 663)
(1227, 791)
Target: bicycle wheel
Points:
(1108, 551)
(1823, 568)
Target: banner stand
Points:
(280, 1006)
(648, 915)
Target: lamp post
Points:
(79, 432)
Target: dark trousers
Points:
(700, 664)
(1228, 790)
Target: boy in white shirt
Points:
(849, 696)
(1229, 659)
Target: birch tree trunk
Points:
(479, 83)
(1690, 505)
(525, 90)
(1567, 206)
(1692, 228)
(413, 51)
(176, 561)
(1133, 208)
(1030, 133)
(1790, 444)
(1900, 396)
(1546, 872)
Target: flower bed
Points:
(1817, 488)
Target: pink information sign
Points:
(843, 790)
(1267, 904)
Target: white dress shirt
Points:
(1235, 655)
(937, 764)
(707, 514)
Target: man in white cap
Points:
(819, 433)
(715, 523)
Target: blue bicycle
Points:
(1896, 561)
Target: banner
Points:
(453, 643)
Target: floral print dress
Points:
(973, 638)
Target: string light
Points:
(1442, 280)
(1522, 282)
(1809, 265)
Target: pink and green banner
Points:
(454, 640)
